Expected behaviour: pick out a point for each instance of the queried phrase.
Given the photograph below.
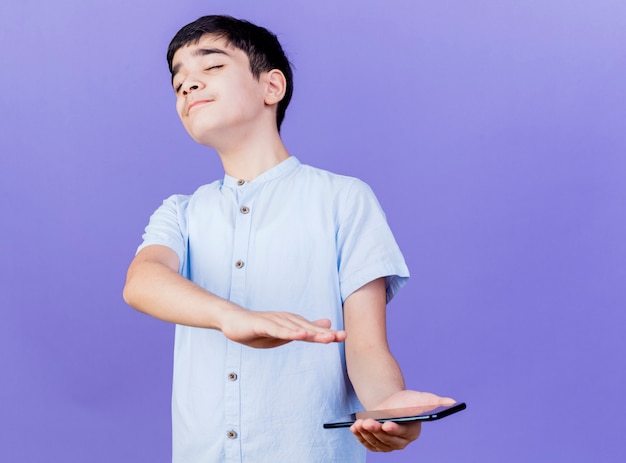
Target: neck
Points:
(248, 157)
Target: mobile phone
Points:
(399, 415)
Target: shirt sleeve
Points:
(168, 227)
(366, 247)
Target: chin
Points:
(201, 133)
(202, 138)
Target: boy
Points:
(277, 276)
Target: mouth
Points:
(197, 103)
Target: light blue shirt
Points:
(295, 239)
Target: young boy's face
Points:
(216, 92)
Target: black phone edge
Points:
(427, 417)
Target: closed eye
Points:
(210, 68)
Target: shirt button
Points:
(232, 376)
(231, 434)
(240, 182)
(239, 264)
(244, 209)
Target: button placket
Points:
(242, 220)
(245, 198)
(243, 205)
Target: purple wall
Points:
(494, 134)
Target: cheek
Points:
(179, 107)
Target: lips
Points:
(196, 103)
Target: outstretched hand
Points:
(273, 329)
(385, 437)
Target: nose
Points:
(190, 85)
(188, 88)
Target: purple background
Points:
(493, 132)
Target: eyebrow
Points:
(199, 52)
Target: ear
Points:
(276, 87)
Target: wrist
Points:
(224, 310)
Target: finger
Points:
(385, 437)
(406, 431)
(435, 399)
(317, 326)
(367, 438)
(316, 331)
(292, 327)
(296, 331)
(324, 338)
(397, 439)
(339, 335)
(322, 323)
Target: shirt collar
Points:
(284, 167)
